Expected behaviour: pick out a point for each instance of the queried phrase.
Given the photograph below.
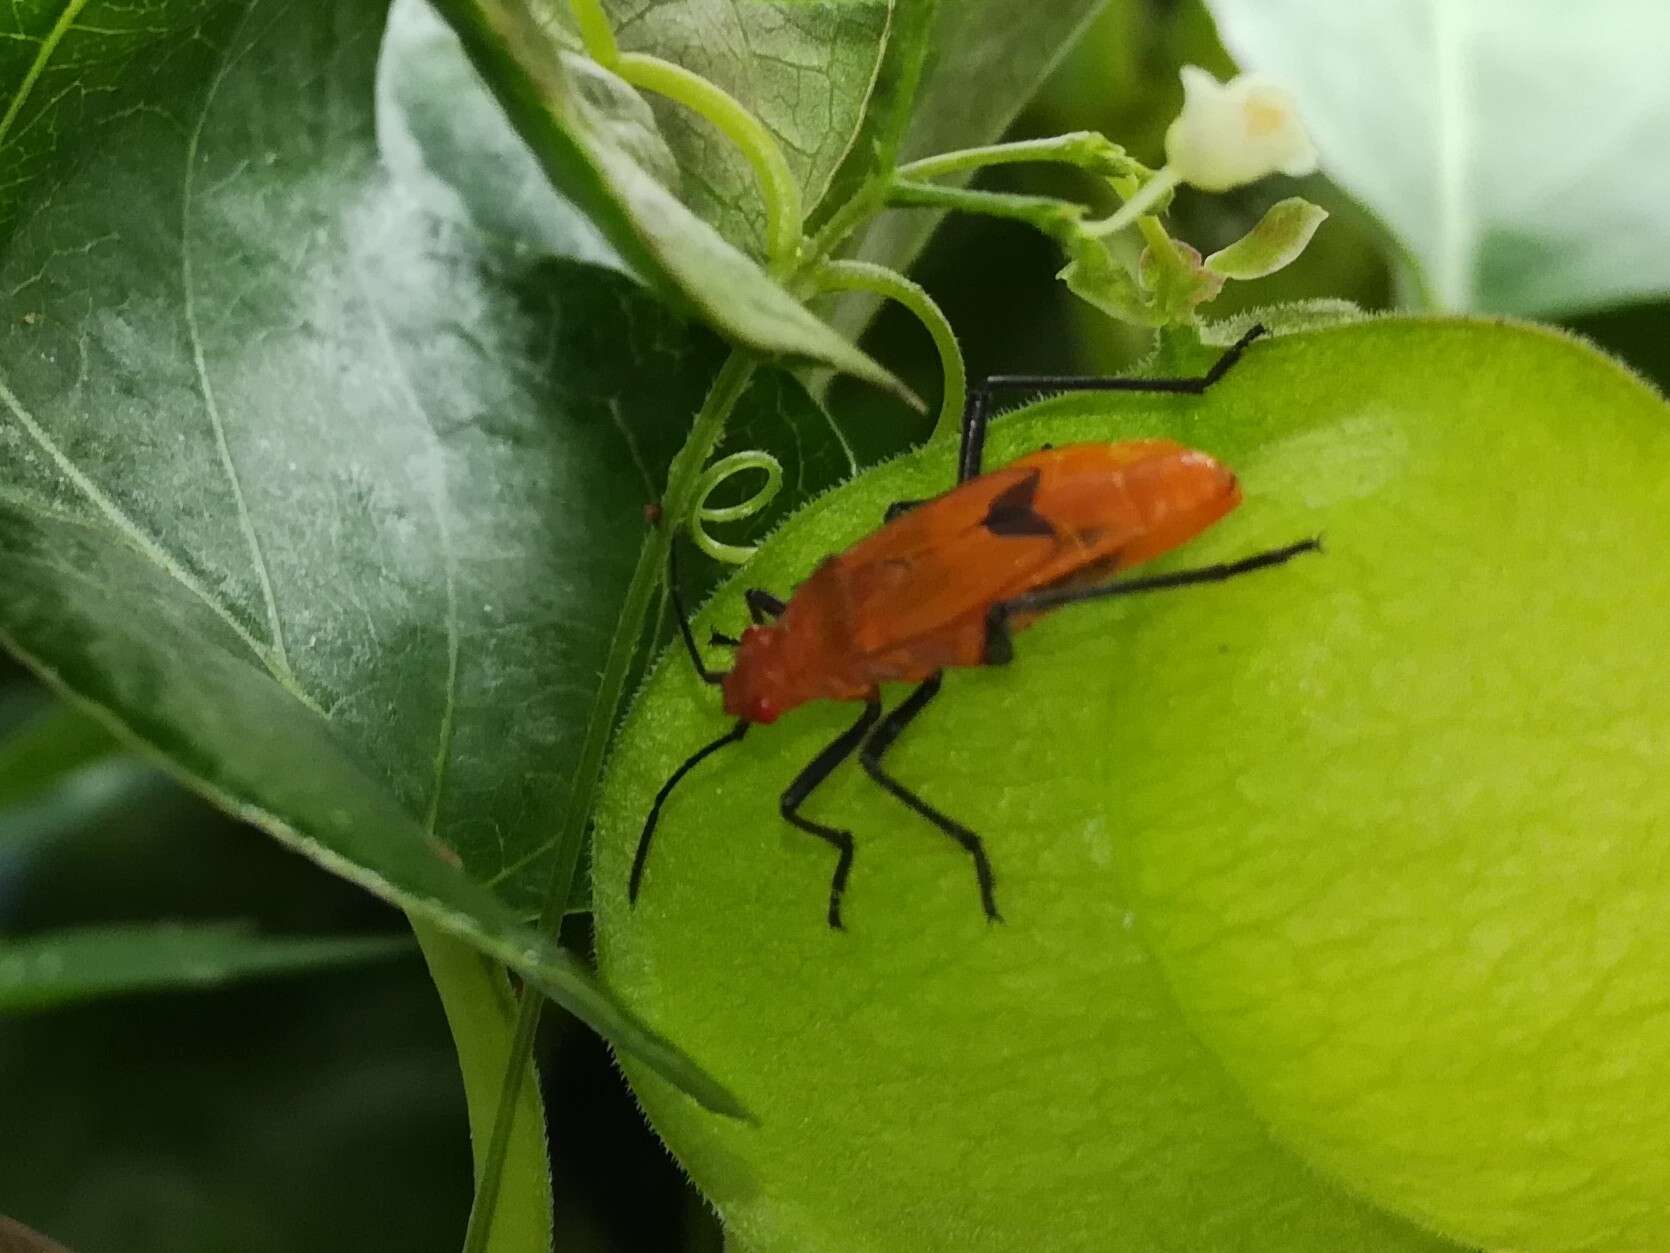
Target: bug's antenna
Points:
(695, 759)
(714, 677)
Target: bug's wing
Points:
(945, 561)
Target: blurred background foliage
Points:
(324, 1111)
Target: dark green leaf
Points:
(84, 963)
(79, 801)
(992, 56)
(59, 770)
(892, 102)
(323, 498)
(68, 69)
(596, 140)
(52, 745)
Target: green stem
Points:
(1161, 246)
(480, 1010)
(595, 32)
(732, 380)
(1147, 196)
(780, 191)
(1085, 149)
(868, 200)
(1049, 215)
(865, 276)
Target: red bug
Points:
(945, 582)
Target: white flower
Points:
(1236, 132)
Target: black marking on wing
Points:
(1011, 513)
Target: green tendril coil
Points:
(717, 473)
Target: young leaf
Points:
(1101, 279)
(319, 496)
(79, 964)
(1177, 280)
(1277, 241)
(590, 131)
(1516, 191)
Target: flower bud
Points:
(1236, 132)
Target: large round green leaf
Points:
(1340, 884)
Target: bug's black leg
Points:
(1054, 598)
(695, 759)
(1000, 647)
(720, 640)
(816, 771)
(871, 755)
(898, 509)
(762, 604)
(706, 675)
(971, 451)
(976, 413)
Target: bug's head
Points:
(756, 686)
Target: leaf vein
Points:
(125, 526)
(37, 67)
(246, 523)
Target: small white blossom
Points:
(1236, 132)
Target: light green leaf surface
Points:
(927, 1080)
(595, 139)
(1276, 242)
(321, 497)
(79, 964)
(1332, 896)
(1517, 150)
(806, 71)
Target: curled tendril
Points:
(703, 513)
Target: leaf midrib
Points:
(278, 658)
